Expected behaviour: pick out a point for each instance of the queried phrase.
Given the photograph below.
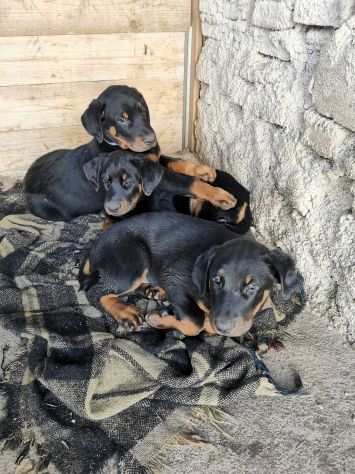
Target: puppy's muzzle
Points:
(234, 328)
(150, 139)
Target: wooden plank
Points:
(58, 59)
(20, 148)
(58, 105)
(57, 17)
(196, 46)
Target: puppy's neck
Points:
(107, 146)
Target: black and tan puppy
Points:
(115, 181)
(118, 119)
(214, 280)
(129, 184)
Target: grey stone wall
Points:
(277, 109)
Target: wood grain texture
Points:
(61, 17)
(58, 105)
(20, 148)
(196, 46)
(56, 56)
(118, 57)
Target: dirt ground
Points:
(309, 433)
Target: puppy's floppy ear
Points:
(200, 272)
(151, 173)
(93, 169)
(283, 268)
(92, 119)
(143, 103)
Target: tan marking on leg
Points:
(185, 326)
(216, 196)
(152, 156)
(87, 268)
(107, 223)
(204, 172)
(120, 311)
(196, 206)
(241, 213)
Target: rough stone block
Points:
(233, 9)
(324, 13)
(273, 15)
(323, 135)
(271, 44)
(334, 82)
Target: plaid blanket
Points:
(76, 393)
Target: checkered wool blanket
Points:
(77, 395)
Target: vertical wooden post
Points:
(196, 46)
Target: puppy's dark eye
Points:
(218, 281)
(250, 288)
(123, 118)
(126, 181)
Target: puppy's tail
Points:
(87, 276)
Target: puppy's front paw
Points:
(223, 199)
(156, 320)
(128, 314)
(205, 173)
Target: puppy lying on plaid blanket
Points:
(75, 395)
(215, 282)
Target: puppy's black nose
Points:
(112, 210)
(224, 325)
(150, 139)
